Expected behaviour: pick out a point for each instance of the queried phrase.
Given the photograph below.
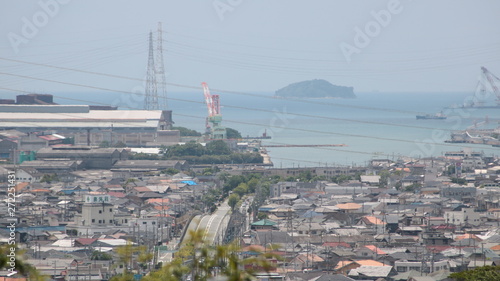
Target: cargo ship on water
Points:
(440, 116)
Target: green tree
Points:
(185, 132)
(232, 200)
(398, 173)
(398, 185)
(341, 178)
(305, 176)
(170, 171)
(319, 178)
(100, 256)
(224, 176)
(119, 144)
(241, 189)
(49, 178)
(412, 187)
(104, 144)
(144, 258)
(450, 170)
(144, 156)
(211, 197)
(127, 252)
(199, 260)
(483, 273)
(189, 149)
(460, 181)
(129, 183)
(20, 266)
(232, 182)
(384, 178)
(163, 149)
(126, 276)
(210, 171)
(262, 215)
(218, 147)
(252, 185)
(233, 134)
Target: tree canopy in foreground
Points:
(202, 261)
(483, 273)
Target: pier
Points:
(303, 145)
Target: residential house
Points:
(461, 193)
(373, 223)
(463, 216)
(372, 180)
(425, 267)
(313, 228)
(264, 224)
(365, 272)
(369, 251)
(306, 261)
(344, 266)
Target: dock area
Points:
(266, 158)
(303, 145)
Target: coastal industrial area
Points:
(279, 171)
(95, 193)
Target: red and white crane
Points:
(214, 114)
(212, 101)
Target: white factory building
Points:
(134, 128)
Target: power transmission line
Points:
(151, 96)
(160, 70)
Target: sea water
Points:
(374, 125)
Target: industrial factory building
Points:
(90, 127)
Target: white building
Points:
(463, 217)
(28, 175)
(404, 266)
(86, 126)
(472, 163)
(96, 211)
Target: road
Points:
(214, 224)
(244, 210)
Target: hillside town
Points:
(75, 206)
(232, 140)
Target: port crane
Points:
(215, 130)
(491, 79)
(482, 88)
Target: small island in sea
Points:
(317, 88)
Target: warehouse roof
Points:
(92, 114)
(93, 118)
(147, 163)
(70, 124)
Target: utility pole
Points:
(482, 251)
(162, 223)
(308, 245)
(55, 265)
(475, 251)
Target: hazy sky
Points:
(251, 45)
